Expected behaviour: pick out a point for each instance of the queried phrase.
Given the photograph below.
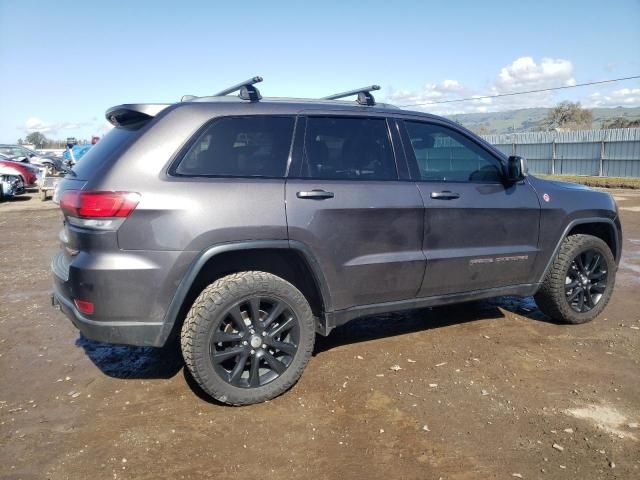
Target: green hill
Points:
(528, 119)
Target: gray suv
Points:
(245, 226)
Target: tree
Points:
(37, 139)
(621, 122)
(20, 141)
(568, 116)
(482, 129)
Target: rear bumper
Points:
(124, 333)
(130, 292)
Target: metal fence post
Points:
(553, 156)
(601, 170)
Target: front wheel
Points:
(248, 337)
(580, 282)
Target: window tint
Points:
(445, 155)
(106, 150)
(348, 148)
(241, 147)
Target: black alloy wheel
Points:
(586, 280)
(255, 342)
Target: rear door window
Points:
(256, 146)
(348, 149)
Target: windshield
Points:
(17, 152)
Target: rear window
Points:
(256, 146)
(111, 143)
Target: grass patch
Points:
(602, 182)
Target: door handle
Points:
(315, 194)
(445, 195)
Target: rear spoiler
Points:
(133, 114)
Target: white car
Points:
(20, 153)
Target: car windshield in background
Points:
(15, 152)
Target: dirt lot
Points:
(483, 390)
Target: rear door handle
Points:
(315, 194)
(445, 195)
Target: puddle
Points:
(605, 418)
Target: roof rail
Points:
(364, 95)
(247, 90)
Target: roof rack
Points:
(246, 88)
(364, 95)
(247, 91)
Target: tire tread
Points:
(550, 298)
(204, 309)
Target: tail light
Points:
(98, 210)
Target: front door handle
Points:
(315, 194)
(445, 195)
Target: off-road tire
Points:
(208, 311)
(551, 297)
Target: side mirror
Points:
(516, 168)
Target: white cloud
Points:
(625, 97)
(521, 75)
(525, 74)
(35, 124)
(429, 93)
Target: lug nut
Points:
(264, 345)
(244, 343)
(252, 331)
(264, 334)
(253, 352)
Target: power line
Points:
(521, 93)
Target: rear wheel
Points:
(580, 282)
(248, 337)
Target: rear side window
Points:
(255, 146)
(348, 149)
(445, 155)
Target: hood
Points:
(567, 185)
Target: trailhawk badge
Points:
(546, 197)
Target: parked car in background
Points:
(28, 172)
(20, 153)
(10, 186)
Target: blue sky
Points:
(66, 62)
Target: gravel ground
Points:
(474, 391)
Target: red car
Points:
(29, 173)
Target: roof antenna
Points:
(246, 88)
(364, 95)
